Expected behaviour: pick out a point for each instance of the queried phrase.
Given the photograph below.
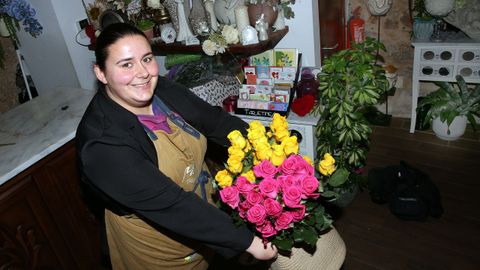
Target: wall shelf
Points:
(161, 48)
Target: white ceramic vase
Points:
(452, 132)
(279, 23)
(439, 8)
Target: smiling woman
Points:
(141, 145)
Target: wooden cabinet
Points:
(44, 223)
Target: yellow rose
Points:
(236, 152)
(256, 125)
(249, 175)
(259, 141)
(290, 145)
(248, 147)
(308, 160)
(327, 165)
(281, 134)
(278, 155)
(278, 122)
(263, 151)
(255, 134)
(235, 165)
(236, 139)
(224, 179)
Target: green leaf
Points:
(339, 177)
(310, 236)
(298, 234)
(283, 244)
(329, 194)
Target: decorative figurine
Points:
(211, 14)
(262, 26)
(184, 31)
(249, 35)
(198, 18)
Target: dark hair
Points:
(109, 36)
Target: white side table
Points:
(442, 61)
(304, 125)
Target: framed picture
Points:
(285, 57)
(263, 59)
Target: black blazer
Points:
(117, 158)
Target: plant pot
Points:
(149, 34)
(328, 254)
(256, 10)
(346, 196)
(422, 29)
(452, 132)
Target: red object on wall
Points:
(356, 28)
(90, 32)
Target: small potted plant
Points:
(146, 25)
(448, 109)
(423, 23)
(350, 82)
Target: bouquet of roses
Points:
(270, 188)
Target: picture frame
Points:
(263, 59)
(285, 57)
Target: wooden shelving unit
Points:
(161, 48)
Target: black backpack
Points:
(410, 192)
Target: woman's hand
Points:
(260, 251)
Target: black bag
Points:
(410, 192)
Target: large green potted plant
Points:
(448, 109)
(350, 82)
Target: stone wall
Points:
(8, 89)
(395, 32)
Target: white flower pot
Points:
(452, 132)
(329, 254)
(439, 8)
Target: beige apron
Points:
(134, 244)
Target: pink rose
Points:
(303, 167)
(230, 196)
(292, 196)
(254, 197)
(265, 169)
(283, 222)
(309, 187)
(269, 187)
(298, 212)
(286, 181)
(257, 214)
(243, 208)
(289, 165)
(272, 207)
(243, 185)
(266, 229)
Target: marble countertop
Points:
(38, 127)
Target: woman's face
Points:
(131, 73)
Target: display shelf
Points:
(160, 48)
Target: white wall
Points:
(304, 32)
(47, 57)
(68, 13)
